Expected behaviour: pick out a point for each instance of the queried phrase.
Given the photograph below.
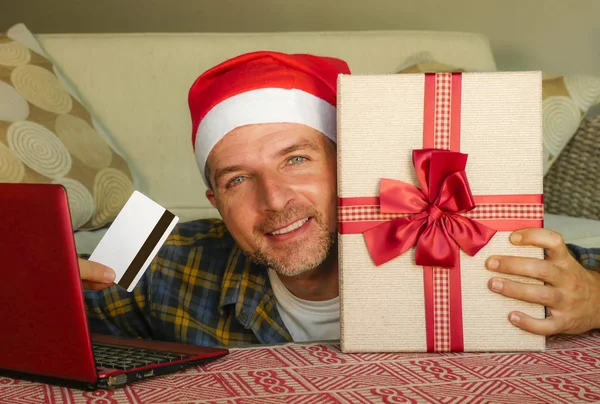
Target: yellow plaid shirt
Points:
(201, 289)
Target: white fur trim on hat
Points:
(267, 105)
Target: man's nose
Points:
(274, 194)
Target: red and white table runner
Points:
(568, 372)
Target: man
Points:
(264, 138)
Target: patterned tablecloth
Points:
(568, 372)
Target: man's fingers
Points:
(551, 241)
(95, 272)
(547, 326)
(543, 270)
(539, 294)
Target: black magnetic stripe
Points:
(153, 238)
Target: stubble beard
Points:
(298, 256)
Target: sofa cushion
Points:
(47, 135)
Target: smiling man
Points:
(264, 131)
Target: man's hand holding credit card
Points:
(134, 238)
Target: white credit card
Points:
(134, 238)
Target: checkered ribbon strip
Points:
(365, 213)
(507, 212)
(441, 310)
(371, 213)
(443, 92)
(441, 277)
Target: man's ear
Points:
(210, 195)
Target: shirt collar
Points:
(247, 288)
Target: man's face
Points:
(275, 187)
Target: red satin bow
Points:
(437, 228)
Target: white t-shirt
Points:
(306, 320)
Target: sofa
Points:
(133, 90)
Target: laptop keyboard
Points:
(126, 358)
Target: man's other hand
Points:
(571, 293)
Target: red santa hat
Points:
(263, 87)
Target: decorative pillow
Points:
(565, 102)
(424, 62)
(571, 185)
(430, 67)
(48, 136)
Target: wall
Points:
(558, 36)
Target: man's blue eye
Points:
(235, 181)
(297, 159)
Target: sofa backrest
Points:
(137, 86)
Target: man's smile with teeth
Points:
(291, 227)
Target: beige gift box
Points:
(381, 121)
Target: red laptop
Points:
(45, 334)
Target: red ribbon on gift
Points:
(441, 217)
(436, 226)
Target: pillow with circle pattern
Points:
(565, 102)
(48, 136)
